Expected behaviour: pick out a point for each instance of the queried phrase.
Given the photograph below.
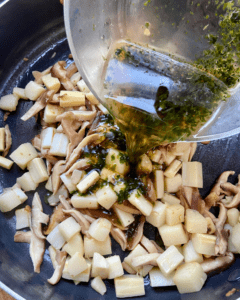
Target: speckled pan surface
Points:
(35, 29)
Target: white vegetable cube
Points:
(9, 200)
(59, 145)
(159, 183)
(51, 83)
(137, 251)
(195, 222)
(235, 237)
(100, 229)
(85, 275)
(204, 243)
(38, 170)
(190, 254)
(233, 216)
(89, 201)
(98, 285)
(140, 202)
(92, 98)
(55, 238)
(5, 163)
(100, 266)
(192, 174)
(9, 102)
(115, 267)
(173, 168)
(75, 244)
(158, 215)
(109, 175)
(155, 155)
(189, 278)
(76, 176)
(89, 180)
(33, 90)
(119, 186)
(157, 279)
(23, 216)
(144, 165)
(2, 139)
(51, 111)
(66, 179)
(20, 194)
(68, 228)
(20, 93)
(170, 199)
(169, 260)
(129, 286)
(124, 217)
(106, 196)
(71, 98)
(173, 235)
(26, 182)
(172, 185)
(91, 246)
(82, 86)
(174, 214)
(23, 155)
(116, 161)
(47, 137)
(77, 264)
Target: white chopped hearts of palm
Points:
(99, 194)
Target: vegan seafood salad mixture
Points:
(97, 195)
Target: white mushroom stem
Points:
(222, 235)
(38, 217)
(128, 268)
(23, 237)
(60, 259)
(217, 264)
(119, 237)
(235, 201)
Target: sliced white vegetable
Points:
(115, 267)
(195, 222)
(129, 286)
(158, 215)
(71, 98)
(189, 278)
(33, 90)
(20, 92)
(116, 162)
(9, 102)
(169, 260)
(89, 201)
(100, 266)
(51, 83)
(55, 238)
(10, 199)
(170, 199)
(82, 86)
(144, 260)
(48, 185)
(100, 229)
(68, 228)
(103, 109)
(190, 254)
(51, 111)
(204, 243)
(75, 244)
(173, 168)
(174, 214)
(173, 235)
(192, 174)
(23, 155)
(5, 163)
(89, 180)
(159, 183)
(91, 246)
(59, 145)
(38, 170)
(144, 166)
(47, 137)
(92, 98)
(76, 176)
(172, 185)
(137, 251)
(124, 217)
(85, 275)
(106, 197)
(54, 199)
(98, 285)
(26, 182)
(139, 201)
(23, 216)
(157, 279)
(66, 179)
(77, 264)
(2, 139)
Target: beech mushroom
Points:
(135, 233)
(60, 257)
(222, 234)
(38, 75)
(81, 164)
(71, 69)
(235, 190)
(218, 264)
(38, 217)
(128, 207)
(151, 192)
(36, 142)
(211, 200)
(8, 140)
(148, 245)
(119, 237)
(56, 218)
(57, 170)
(223, 178)
(37, 249)
(23, 237)
(59, 71)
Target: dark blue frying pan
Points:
(35, 30)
